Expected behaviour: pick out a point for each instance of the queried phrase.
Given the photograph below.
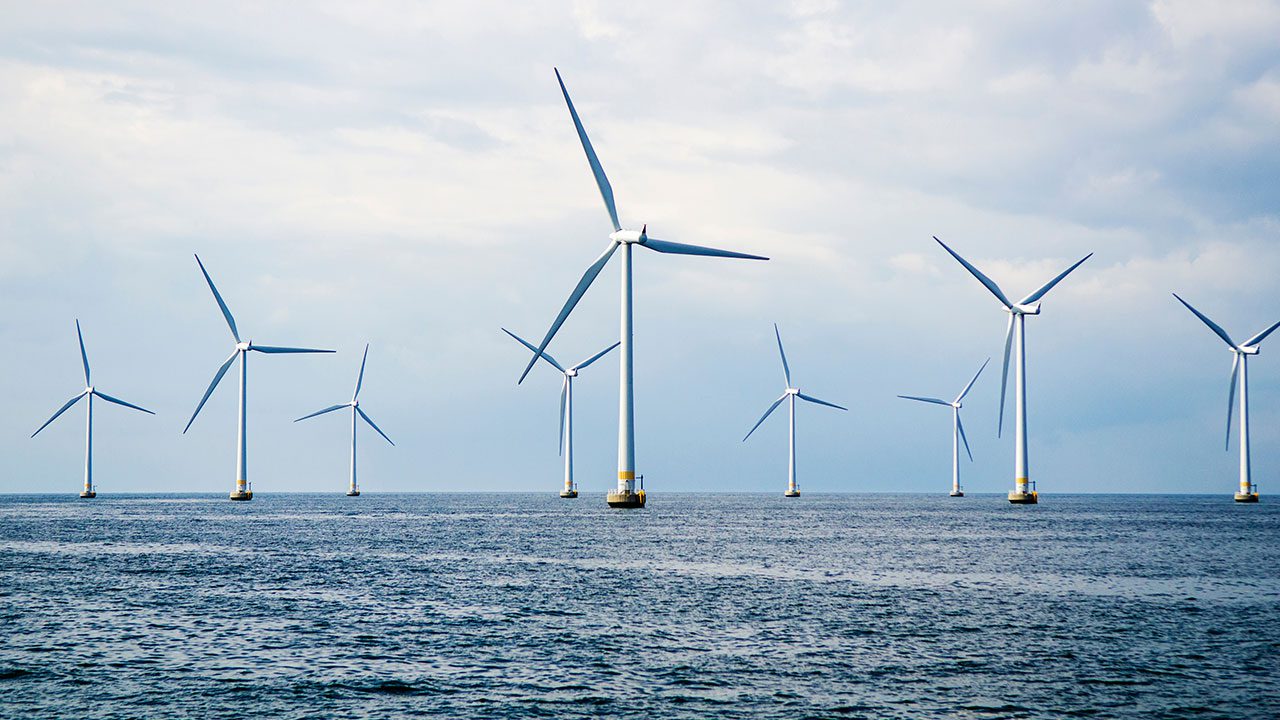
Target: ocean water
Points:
(700, 606)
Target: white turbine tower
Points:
(625, 495)
(566, 408)
(957, 428)
(243, 491)
(1024, 492)
(353, 490)
(1239, 367)
(789, 394)
(89, 392)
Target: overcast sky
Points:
(406, 174)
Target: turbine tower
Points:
(566, 408)
(1024, 491)
(957, 428)
(89, 392)
(1248, 492)
(789, 394)
(625, 496)
(242, 349)
(353, 490)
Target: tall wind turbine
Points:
(957, 428)
(354, 489)
(566, 408)
(789, 394)
(89, 392)
(242, 350)
(1024, 492)
(1239, 367)
(625, 496)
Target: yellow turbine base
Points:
(624, 499)
(1247, 497)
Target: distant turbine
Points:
(1239, 366)
(242, 491)
(566, 408)
(354, 489)
(790, 395)
(1024, 492)
(89, 392)
(625, 495)
(957, 429)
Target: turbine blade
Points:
(1004, 375)
(118, 401)
(1049, 285)
(372, 425)
(986, 281)
(767, 413)
(360, 379)
(1212, 325)
(786, 369)
(1261, 336)
(935, 401)
(84, 357)
(596, 357)
(960, 427)
(216, 379)
(275, 350)
(326, 410)
(231, 322)
(1231, 396)
(61, 410)
(606, 190)
(545, 356)
(971, 382)
(588, 277)
(564, 392)
(812, 399)
(674, 248)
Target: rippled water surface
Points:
(699, 606)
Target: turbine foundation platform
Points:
(241, 494)
(791, 493)
(568, 494)
(958, 493)
(353, 493)
(92, 494)
(1024, 498)
(623, 499)
(1240, 497)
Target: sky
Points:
(406, 175)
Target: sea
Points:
(698, 606)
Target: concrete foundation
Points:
(353, 493)
(618, 499)
(1021, 498)
(958, 493)
(92, 494)
(1247, 497)
(568, 493)
(791, 493)
(239, 495)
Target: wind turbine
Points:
(242, 350)
(1024, 492)
(1239, 367)
(354, 489)
(89, 392)
(790, 394)
(957, 428)
(625, 496)
(566, 408)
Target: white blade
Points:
(596, 357)
(986, 281)
(768, 412)
(606, 190)
(1004, 375)
(360, 379)
(118, 401)
(1049, 285)
(61, 410)
(274, 350)
(216, 379)
(231, 322)
(1212, 325)
(935, 401)
(674, 248)
(329, 409)
(84, 357)
(1231, 396)
(588, 277)
(545, 356)
(971, 382)
(564, 393)
(960, 427)
(786, 369)
(372, 425)
(815, 400)
(1260, 336)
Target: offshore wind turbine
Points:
(789, 394)
(1248, 492)
(957, 428)
(566, 408)
(353, 490)
(242, 349)
(89, 392)
(625, 496)
(1024, 491)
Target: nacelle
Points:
(626, 236)
(1032, 309)
(1250, 350)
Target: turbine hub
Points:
(571, 372)
(88, 390)
(242, 346)
(793, 391)
(957, 405)
(627, 237)
(354, 403)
